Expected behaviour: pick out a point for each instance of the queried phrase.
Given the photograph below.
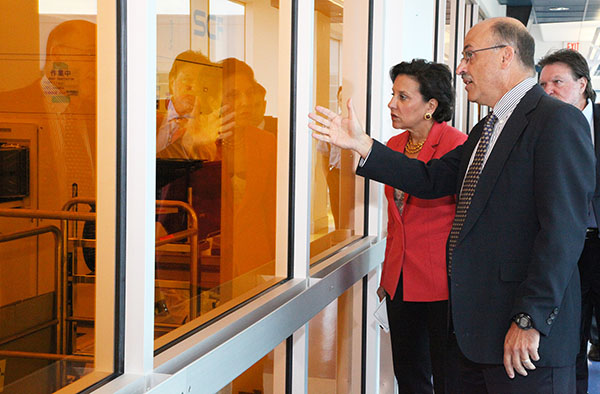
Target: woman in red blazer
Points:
(414, 279)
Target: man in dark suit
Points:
(524, 178)
(565, 75)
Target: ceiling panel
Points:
(553, 11)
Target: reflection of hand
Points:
(345, 133)
(178, 128)
(201, 135)
(520, 349)
(227, 123)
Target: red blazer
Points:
(416, 241)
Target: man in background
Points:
(566, 75)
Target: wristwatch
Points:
(523, 321)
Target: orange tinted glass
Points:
(47, 195)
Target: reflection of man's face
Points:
(195, 88)
(245, 98)
(184, 88)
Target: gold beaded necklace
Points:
(413, 147)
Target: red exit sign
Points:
(573, 45)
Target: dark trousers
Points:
(419, 336)
(475, 378)
(589, 270)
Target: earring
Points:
(427, 116)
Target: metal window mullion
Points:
(302, 168)
(440, 41)
(106, 185)
(458, 17)
(141, 180)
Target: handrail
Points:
(46, 356)
(193, 227)
(58, 240)
(78, 200)
(47, 214)
(66, 215)
(63, 273)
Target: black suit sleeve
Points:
(434, 179)
(564, 179)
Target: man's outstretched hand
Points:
(345, 133)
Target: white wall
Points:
(262, 47)
(491, 8)
(409, 32)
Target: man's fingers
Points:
(319, 119)
(321, 137)
(533, 352)
(325, 111)
(508, 365)
(528, 364)
(319, 128)
(517, 363)
(351, 110)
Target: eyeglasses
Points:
(468, 54)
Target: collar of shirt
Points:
(507, 104)
(503, 109)
(588, 112)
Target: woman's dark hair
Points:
(435, 81)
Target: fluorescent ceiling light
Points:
(225, 7)
(558, 9)
(172, 7)
(182, 7)
(68, 7)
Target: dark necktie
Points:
(469, 184)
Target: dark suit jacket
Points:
(596, 198)
(524, 231)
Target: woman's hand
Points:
(345, 133)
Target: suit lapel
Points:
(433, 140)
(398, 145)
(596, 112)
(596, 197)
(511, 132)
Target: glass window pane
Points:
(266, 376)
(334, 345)
(333, 179)
(216, 131)
(47, 171)
(448, 39)
(334, 184)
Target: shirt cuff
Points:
(362, 161)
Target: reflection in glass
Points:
(47, 167)
(333, 179)
(216, 148)
(334, 347)
(266, 376)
